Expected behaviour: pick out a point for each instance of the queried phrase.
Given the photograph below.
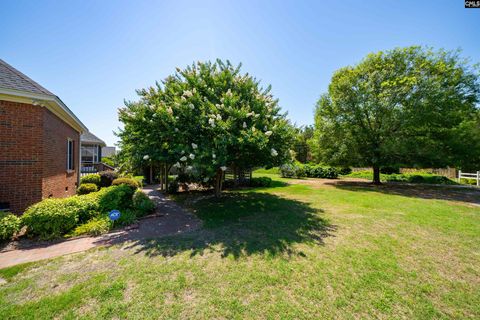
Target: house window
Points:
(70, 155)
(90, 154)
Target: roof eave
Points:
(52, 101)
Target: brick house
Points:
(39, 143)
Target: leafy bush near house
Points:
(87, 188)
(299, 170)
(53, 218)
(107, 177)
(115, 198)
(126, 181)
(142, 203)
(261, 182)
(9, 225)
(94, 227)
(91, 178)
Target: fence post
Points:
(478, 178)
(459, 175)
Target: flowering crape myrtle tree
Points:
(204, 119)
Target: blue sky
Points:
(94, 54)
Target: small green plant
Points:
(107, 177)
(91, 178)
(142, 204)
(94, 227)
(9, 225)
(126, 181)
(86, 188)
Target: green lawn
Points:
(289, 251)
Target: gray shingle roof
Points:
(11, 78)
(89, 137)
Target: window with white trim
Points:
(70, 154)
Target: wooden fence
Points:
(464, 175)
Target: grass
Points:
(289, 251)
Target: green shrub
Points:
(91, 178)
(142, 204)
(344, 171)
(299, 170)
(86, 188)
(115, 198)
(51, 218)
(9, 225)
(261, 182)
(107, 177)
(94, 227)
(126, 181)
(405, 177)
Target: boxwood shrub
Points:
(9, 225)
(126, 181)
(261, 182)
(91, 178)
(86, 188)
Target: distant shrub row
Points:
(300, 170)
(417, 177)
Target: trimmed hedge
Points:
(87, 188)
(126, 181)
(299, 170)
(9, 225)
(91, 178)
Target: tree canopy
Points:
(205, 118)
(409, 106)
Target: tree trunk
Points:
(161, 178)
(150, 178)
(167, 169)
(376, 175)
(218, 183)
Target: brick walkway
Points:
(169, 218)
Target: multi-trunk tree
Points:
(409, 106)
(203, 119)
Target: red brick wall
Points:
(57, 182)
(33, 144)
(20, 154)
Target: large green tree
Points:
(203, 119)
(409, 106)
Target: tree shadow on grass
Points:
(424, 191)
(240, 224)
